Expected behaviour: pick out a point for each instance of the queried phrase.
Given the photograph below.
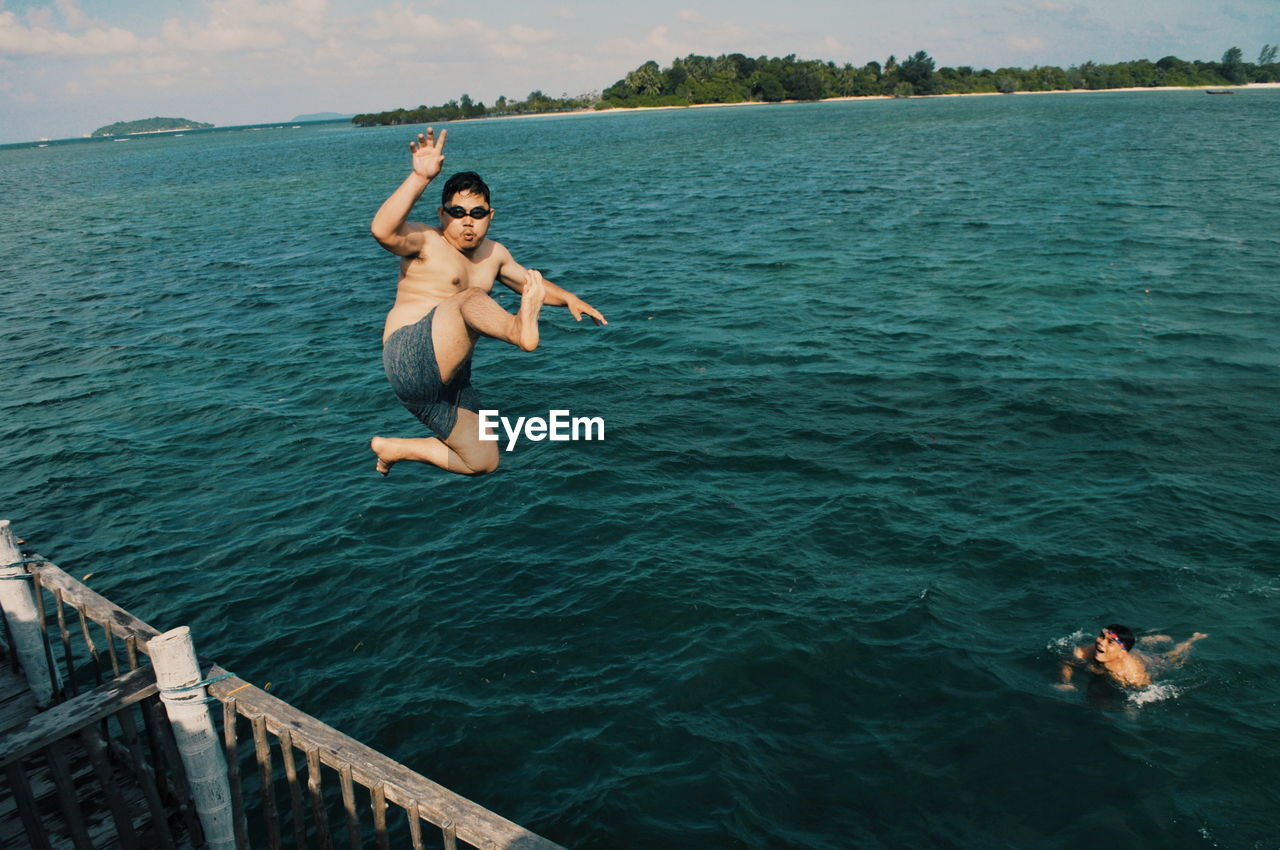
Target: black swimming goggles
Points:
(474, 212)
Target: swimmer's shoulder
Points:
(422, 238)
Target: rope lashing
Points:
(174, 694)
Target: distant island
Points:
(149, 125)
(736, 78)
(324, 116)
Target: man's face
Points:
(1107, 647)
(466, 231)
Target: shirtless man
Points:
(1111, 654)
(443, 307)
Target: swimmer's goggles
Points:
(474, 212)
(1111, 636)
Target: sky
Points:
(68, 67)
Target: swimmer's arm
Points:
(512, 275)
(1150, 639)
(1179, 652)
(1081, 655)
(390, 225)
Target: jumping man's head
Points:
(1112, 642)
(465, 212)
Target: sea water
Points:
(901, 400)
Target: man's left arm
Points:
(512, 275)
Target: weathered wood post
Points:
(24, 624)
(185, 700)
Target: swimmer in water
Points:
(1112, 654)
(443, 307)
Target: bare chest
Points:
(446, 272)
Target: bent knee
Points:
(481, 459)
(483, 467)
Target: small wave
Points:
(1154, 693)
(1067, 642)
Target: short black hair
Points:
(464, 181)
(1124, 633)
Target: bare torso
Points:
(439, 271)
(1128, 670)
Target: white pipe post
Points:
(178, 674)
(24, 624)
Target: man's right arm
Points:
(1082, 655)
(391, 225)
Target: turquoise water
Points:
(902, 399)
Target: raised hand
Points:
(428, 153)
(578, 307)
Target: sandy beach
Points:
(614, 110)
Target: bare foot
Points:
(383, 466)
(531, 299)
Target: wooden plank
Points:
(233, 773)
(74, 714)
(295, 791)
(72, 817)
(27, 806)
(379, 797)
(111, 649)
(263, 749)
(98, 608)
(110, 789)
(17, 703)
(54, 684)
(93, 650)
(415, 827)
(349, 803)
(67, 656)
(146, 778)
(475, 824)
(319, 814)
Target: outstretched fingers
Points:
(429, 139)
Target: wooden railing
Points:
(274, 753)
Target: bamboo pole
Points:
(295, 790)
(233, 771)
(318, 811)
(20, 613)
(178, 675)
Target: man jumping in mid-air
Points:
(443, 307)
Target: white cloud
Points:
(17, 39)
(529, 35)
(400, 23)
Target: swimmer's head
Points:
(465, 213)
(464, 181)
(1114, 635)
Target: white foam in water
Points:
(1154, 693)
(1067, 642)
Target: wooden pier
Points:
(112, 761)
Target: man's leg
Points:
(457, 324)
(462, 452)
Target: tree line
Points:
(735, 78)
(465, 107)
